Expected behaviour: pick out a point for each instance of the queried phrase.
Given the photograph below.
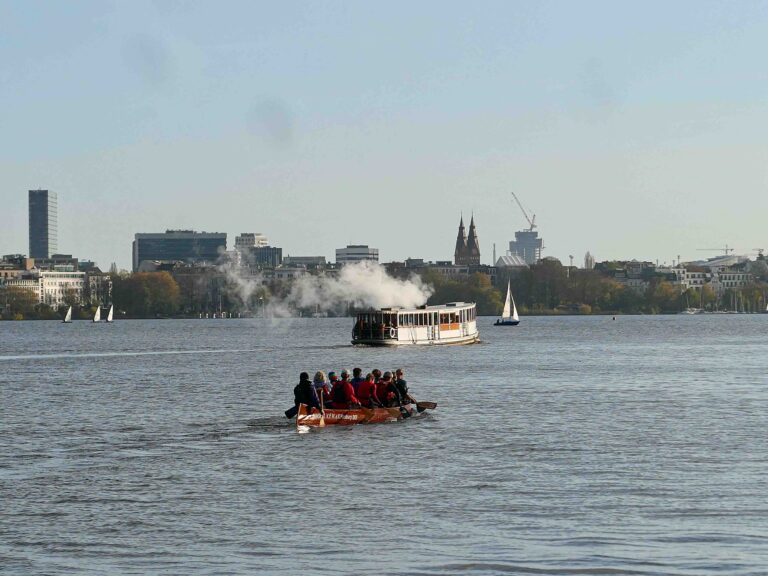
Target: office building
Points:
(262, 257)
(305, 261)
(43, 223)
(250, 240)
(179, 246)
(356, 253)
(527, 245)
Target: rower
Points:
(321, 386)
(343, 395)
(357, 378)
(304, 393)
(366, 392)
(387, 391)
(402, 386)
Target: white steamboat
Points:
(452, 323)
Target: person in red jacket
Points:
(387, 391)
(366, 392)
(343, 395)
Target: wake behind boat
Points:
(509, 315)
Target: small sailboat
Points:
(110, 313)
(509, 315)
(68, 316)
(97, 316)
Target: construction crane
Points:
(531, 221)
(726, 249)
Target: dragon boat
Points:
(307, 416)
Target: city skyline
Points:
(311, 125)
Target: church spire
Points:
(459, 253)
(473, 244)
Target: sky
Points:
(631, 130)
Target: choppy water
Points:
(563, 446)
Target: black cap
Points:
(303, 376)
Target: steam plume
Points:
(361, 285)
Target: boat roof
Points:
(434, 308)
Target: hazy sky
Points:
(633, 130)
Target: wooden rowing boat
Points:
(333, 417)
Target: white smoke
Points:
(361, 285)
(364, 284)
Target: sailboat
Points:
(111, 313)
(97, 316)
(509, 315)
(68, 316)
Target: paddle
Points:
(421, 406)
(321, 424)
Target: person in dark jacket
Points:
(402, 386)
(387, 392)
(304, 393)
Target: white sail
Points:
(68, 317)
(110, 314)
(515, 317)
(506, 313)
(97, 316)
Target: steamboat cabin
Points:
(452, 323)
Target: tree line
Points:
(546, 288)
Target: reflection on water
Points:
(565, 445)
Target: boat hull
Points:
(470, 339)
(332, 417)
(506, 322)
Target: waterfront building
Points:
(52, 287)
(511, 262)
(262, 257)
(467, 250)
(178, 245)
(356, 253)
(250, 240)
(729, 279)
(60, 262)
(43, 223)
(13, 265)
(305, 261)
(527, 245)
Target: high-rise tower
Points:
(43, 223)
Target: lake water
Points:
(573, 445)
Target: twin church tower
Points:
(467, 251)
